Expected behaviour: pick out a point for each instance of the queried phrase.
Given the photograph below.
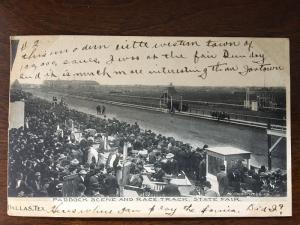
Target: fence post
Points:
(269, 146)
(181, 103)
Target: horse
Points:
(103, 110)
(98, 108)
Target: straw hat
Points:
(82, 172)
(74, 162)
(62, 156)
(169, 155)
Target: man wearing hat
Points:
(52, 189)
(110, 183)
(200, 166)
(80, 179)
(95, 190)
(36, 184)
(152, 156)
(159, 173)
(223, 181)
(171, 166)
(91, 178)
(136, 179)
(74, 165)
(207, 190)
(170, 190)
(18, 185)
(84, 147)
(92, 152)
(80, 190)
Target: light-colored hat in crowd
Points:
(59, 186)
(74, 162)
(91, 139)
(169, 155)
(82, 172)
(62, 156)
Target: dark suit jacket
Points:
(223, 183)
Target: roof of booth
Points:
(228, 151)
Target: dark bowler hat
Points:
(81, 187)
(207, 184)
(95, 186)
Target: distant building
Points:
(172, 99)
(170, 92)
(260, 99)
(71, 84)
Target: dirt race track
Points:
(192, 130)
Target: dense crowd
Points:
(46, 151)
(239, 181)
(18, 94)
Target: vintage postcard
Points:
(131, 126)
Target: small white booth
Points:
(228, 156)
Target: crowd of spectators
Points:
(45, 151)
(261, 182)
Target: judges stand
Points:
(228, 156)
